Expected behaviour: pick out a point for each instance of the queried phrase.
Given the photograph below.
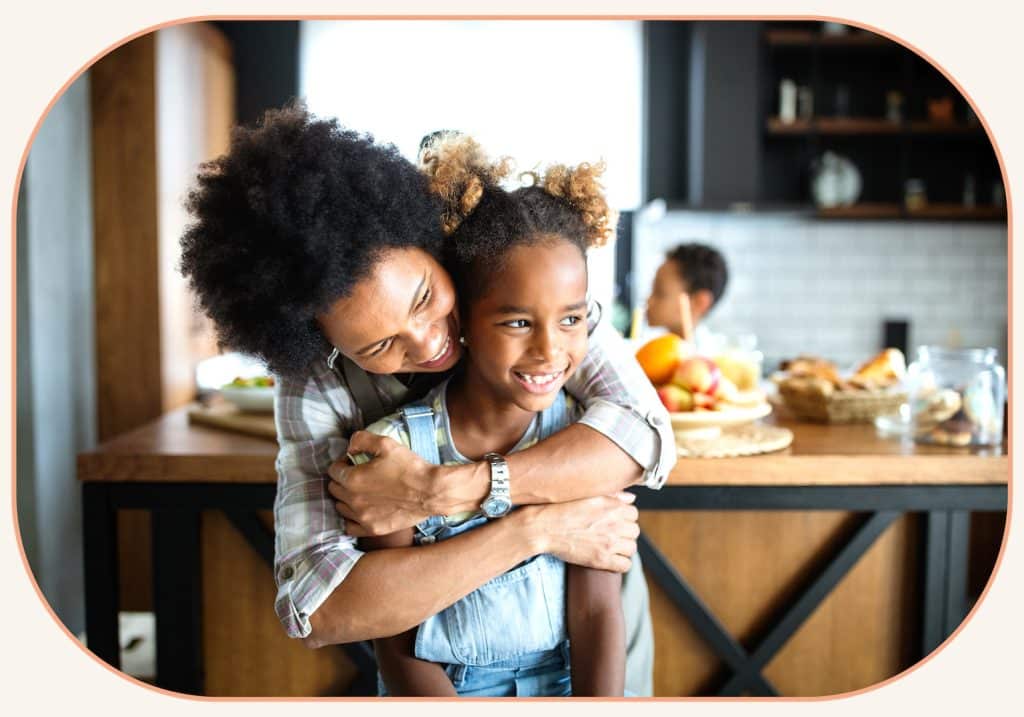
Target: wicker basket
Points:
(850, 406)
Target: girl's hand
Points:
(390, 493)
(596, 533)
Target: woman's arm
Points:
(404, 674)
(623, 438)
(588, 463)
(312, 552)
(597, 632)
(598, 532)
(329, 590)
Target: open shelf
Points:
(933, 210)
(938, 210)
(962, 128)
(865, 210)
(854, 80)
(867, 125)
(834, 125)
(787, 37)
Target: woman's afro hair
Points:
(288, 221)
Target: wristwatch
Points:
(499, 502)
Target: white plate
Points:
(258, 399)
(711, 423)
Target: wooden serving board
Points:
(229, 418)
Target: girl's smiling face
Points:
(400, 319)
(528, 332)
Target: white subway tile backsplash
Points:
(805, 285)
(993, 265)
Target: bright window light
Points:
(538, 91)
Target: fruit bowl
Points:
(250, 400)
(709, 424)
(250, 395)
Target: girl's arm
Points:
(597, 632)
(404, 674)
(624, 438)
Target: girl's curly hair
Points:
(483, 221)
(287, 222)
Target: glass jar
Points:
(957, 396)
(738, 359)
(915, 195)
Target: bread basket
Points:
(840, 406)
(812, 389)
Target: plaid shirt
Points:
(316, 415)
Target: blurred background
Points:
(851, 189)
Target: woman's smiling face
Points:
(528, 332)
(400, 319)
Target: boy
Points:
(694, 269)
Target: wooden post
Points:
(147, 143)
(124, 177)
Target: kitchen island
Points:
(819, 569)
(823, 568)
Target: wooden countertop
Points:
(853, 454)
(171, 450)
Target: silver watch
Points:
(499, 502)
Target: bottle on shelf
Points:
(805, 102)
(894, 106)
(969, 197)
(787, 101)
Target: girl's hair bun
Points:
(459, 171)
(579, 186)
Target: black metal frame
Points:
(946, 509)
(176, 509)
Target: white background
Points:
(46, 44)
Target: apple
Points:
(676, 399)
(698, 375)
(725, 390)
(704, 402)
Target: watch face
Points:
(495, 507)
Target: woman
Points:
(316, 250)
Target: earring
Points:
(332, 358)
(462, 340)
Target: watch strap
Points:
(500, 484)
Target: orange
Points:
(659, 357)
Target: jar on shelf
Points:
(894, 106)
(957, 396)
(915, 194)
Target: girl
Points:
(518, 259)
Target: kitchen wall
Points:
(805, 285)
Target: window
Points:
(538, 91)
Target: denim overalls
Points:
(507, 638)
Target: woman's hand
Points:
(596, 533)
(398, 489)
(390, 493)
